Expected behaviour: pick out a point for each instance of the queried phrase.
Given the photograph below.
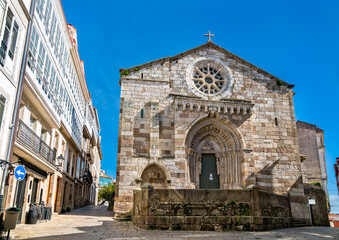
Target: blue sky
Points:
(296, 41)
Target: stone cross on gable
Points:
(209, 35)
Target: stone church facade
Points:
(207, 119)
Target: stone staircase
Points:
(123, 217)
(300, 223)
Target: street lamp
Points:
(60, 160)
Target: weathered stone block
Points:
(210, 220)
(193, 220)
(150, 220)
(177, 220)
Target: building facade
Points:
(334, 220)
(312, 149)
(336, 171)
(104, 179)
(13, 24)
(207, 119)
(55, 115)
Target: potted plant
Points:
(63, 209)
(68, 209)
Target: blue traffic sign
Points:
(20, 173)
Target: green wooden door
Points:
(209, 178)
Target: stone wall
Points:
(319, 209)
(311, 144)
(308, 146)
(188, 209)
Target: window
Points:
(47, 13)
(53, 25)
(276, 122)
(69, 158)
(52, 81)
(31, 122)
(2, 108)
(41, 58)
(62, 49)
(78, 168)
(47, 68)
(10, 37)
(56, 89)
(57, 40)
(209, 80)
(41, 192)
(40, 7)
(33, 48)
(14, 38)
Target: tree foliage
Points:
(106, 192)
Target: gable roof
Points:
(206, 45)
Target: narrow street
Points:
(94, 222)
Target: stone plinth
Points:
(219, 210)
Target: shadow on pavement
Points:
(91, 210)
(117, 230)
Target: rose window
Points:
(209, 80)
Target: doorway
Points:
(209, 178)
(20, 196)
(57, 196)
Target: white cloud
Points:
(334, 200)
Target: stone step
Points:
(297, 223)
(123, 218)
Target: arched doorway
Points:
(214, 155)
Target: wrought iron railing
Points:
(32, 141)
(88, 176)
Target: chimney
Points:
(73, 34)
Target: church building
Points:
(207, 119)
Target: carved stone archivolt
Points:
(214, 137)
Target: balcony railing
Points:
(31, 140)
(88, 176)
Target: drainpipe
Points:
(14, 123)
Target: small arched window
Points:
(142, 113)
(276, 122)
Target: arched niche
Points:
(155, 175)
(218, 138)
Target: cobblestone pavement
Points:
(94, 222)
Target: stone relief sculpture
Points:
(208, 146)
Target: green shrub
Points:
(316, 184)
(106, 192)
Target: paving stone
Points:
(94, 222)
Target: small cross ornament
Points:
(209, 35)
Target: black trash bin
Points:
(33, 216)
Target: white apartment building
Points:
(56, 119)
(13, 27)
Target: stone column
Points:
(232, 169)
